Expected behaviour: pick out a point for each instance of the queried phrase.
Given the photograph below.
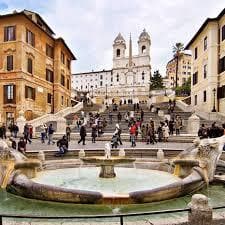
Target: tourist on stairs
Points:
(132, 134)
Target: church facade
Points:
(128, 79)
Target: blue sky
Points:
(90, 26)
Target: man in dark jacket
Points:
(63, 145)
(83, 134)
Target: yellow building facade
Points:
(35, 67)
(184, 70)
(208, 65)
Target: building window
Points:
(117, 77)
(10, 33)
(62, 100)
(100, 83)
(222, 65)
(9, 94)
(195, 78)
(205, 71)
(143, 49)
(49, 98)
(9, 62)
(221, 92)
(29, 92)
(196, 99)
(101, 77)
(30, 38)
(196, 53)
(204, 96)
(143, 75)
(68, 63)
(62, 80)
(223, 32)
(30, 65)
(62, 58)
(68, 84)
(117, 52)
(49, 75)
(205, 43)
(49, 51)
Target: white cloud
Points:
(89, 27)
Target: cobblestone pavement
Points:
(37, 145)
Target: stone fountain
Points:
(194, 169)
(107, 162)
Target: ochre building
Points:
(35, 67)
(183, 72)
(208, 65)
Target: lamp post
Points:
(214, 100)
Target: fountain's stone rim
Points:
(101, 160)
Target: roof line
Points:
(203, 27)
(99, 71)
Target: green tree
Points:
(185, 89)
(156, 81)
(178, 48)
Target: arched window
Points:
(117, 52)
(117, 77)
(143, 75)
(143, 49)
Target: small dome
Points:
(144, 36)
(119, 39)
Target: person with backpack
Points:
(50, 134)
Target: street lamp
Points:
(106, 92)
(214, 100)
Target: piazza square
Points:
(112, 113)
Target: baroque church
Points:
(127, 80)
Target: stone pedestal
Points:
(61, 125)
(193, 124)
(21, 121)
(201, 212)
(160, 155)
(107, 171)
(81, 153)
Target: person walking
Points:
(68, 132)
(50, 134)
(118, 132)
(142, 115)
(83, 134)
(119, 117)
(43, 133)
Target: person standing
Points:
(1, 132)
(93, 132)
(165, 132)
(119, 117)
(171, 128)
(142, 115)
(83, 134)
(177, 125)
(110, 117)
(160, 132)
(26, 133)
(143, 133)
(68, 132)
(132, 135)
(15, 130)
(50, 134)
(118, 132)
(4, 130)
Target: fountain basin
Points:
(83, 185)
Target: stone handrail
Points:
(183, 106)
(53, 117)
